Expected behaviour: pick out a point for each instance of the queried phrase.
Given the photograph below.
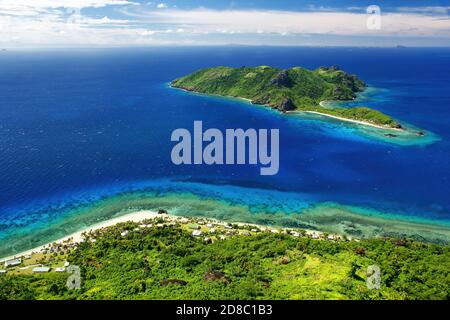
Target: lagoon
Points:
(82, 128)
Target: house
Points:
(3, 271)
(209, 225)
(41, 269)
(207, 240)
(124, 234)
(212, 230)
(13, 262)
(315, 235)
(196, 233)
(254, 230)
(66, 264)
(60, 269)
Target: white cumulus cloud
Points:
(48, 22)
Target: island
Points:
(289, 90)
(158, 256)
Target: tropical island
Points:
(289, 90)
(154, 255)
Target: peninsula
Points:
(288, 90)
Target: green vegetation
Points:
(286, 90)
(166, 262)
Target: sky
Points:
(110, 23)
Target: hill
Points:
(205, 260)
(287, 90)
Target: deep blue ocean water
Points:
(80, 124)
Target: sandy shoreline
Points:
(321, 103)
(138, 216)
(77, 237)
(350, 120)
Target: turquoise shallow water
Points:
(408, 137)
(89, 127)
(223, 202)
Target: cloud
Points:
(426, 9)
(146, 33)
(41, 7)
(312, 7)
(17, 4)
(48, 23)
(103, 21)
(50, 31)
(337, 23)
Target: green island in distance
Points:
(290, 90)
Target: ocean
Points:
(85, 126)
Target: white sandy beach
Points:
(77, 237)
(350, 120)
(321, 103)
(138, 216)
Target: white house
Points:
(13, 262)
(207, 240)
(315, 235)
(197, 233)
(41, 269)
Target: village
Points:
(52, 257)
